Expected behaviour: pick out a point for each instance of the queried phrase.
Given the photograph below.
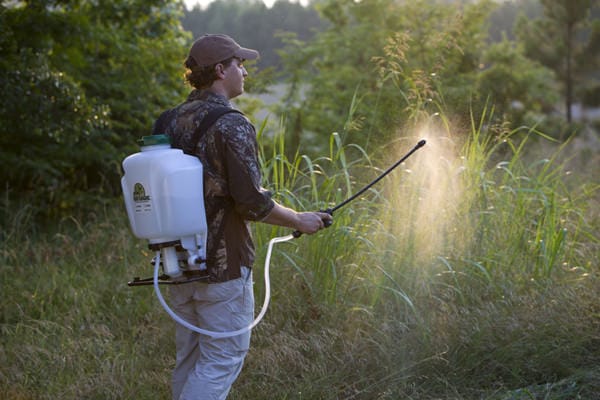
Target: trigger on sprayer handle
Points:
(328, 222)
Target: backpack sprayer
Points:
(164, 199)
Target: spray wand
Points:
(330, 211)
(295, 234)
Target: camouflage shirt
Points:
(232, 180)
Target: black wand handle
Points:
(326, 222)
(380, 177)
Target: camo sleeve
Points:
(240, 150)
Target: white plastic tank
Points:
(163, 192)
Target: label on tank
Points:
(142, 200)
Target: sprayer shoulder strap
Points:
(209, 120)
(211, 117)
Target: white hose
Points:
(186, 324)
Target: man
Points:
(207, 367)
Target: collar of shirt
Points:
(207, 95)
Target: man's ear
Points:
(220, 70)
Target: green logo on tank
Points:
(139, 193)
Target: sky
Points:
(191, 3)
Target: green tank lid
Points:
(154, 140)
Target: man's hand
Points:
(311, 222)
(303, 222)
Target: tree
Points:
(81, 80)
(503, 18)
(515, 85)
(566, 40)
(254, 25)
(380, 63)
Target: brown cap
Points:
(212, 49)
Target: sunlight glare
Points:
(427, 197)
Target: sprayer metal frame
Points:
(165, 279)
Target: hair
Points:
(201, 77)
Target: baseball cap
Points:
(213, 48)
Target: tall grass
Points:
(473, 263)
(471, 271)
(70, 327)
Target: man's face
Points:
(234, 75)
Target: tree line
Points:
(258, 26)
(83, 80)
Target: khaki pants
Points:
(207, 367)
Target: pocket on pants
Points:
(242, 309)
(226, 306)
